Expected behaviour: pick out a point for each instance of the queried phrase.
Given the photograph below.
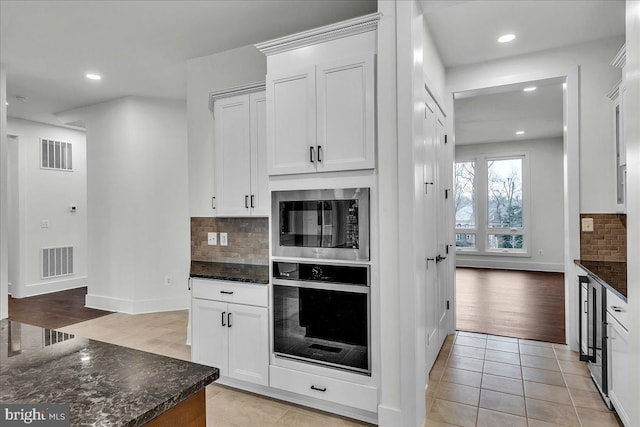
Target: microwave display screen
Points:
(319, 224)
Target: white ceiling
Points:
(495, 114)
(466, 31)
(139, 47)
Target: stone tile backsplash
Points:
(607, 241)
(248, 240)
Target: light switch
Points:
(212, 239)
(587, 224)
(223, 239)
(44, 223)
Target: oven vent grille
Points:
(57, 261)
(56, 155)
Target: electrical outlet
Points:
(44, 223)
(223, 239)
(167, 280)
(212, 239)
(587, 224)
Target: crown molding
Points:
(620, 59)
(233, 91)
(338, 30)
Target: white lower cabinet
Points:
(232, 337)
(621, 388)
(329, 389)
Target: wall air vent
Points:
(55, 155)
(57, 262)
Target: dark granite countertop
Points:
(104, 384)
(248, 273)
(610, 274)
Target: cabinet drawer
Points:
(229, 291)
(332, 390)
(617, 308)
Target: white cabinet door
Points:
(209, 334)
(291, 122)
(621, 386)
(249, 343)
(346, 128)
(233, 156)
(260, 200)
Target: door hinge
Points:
(447, 304)
(445, 139)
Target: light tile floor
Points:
(487, 380)
(165, 333)
(477, 380)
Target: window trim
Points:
(482, 230)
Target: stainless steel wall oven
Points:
(321, 224)
(321, 314)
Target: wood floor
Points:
(53, 310)
(521, 304)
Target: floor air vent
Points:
(57, 262)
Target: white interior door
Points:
(233, 156)
(430, 232)
(444, 183)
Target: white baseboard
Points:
(136, 306)
(510, 265)
(49, 286)
(389, 417)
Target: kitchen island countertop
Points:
(104, 384)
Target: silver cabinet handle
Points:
(319, 153)
(322, 389)
(229, 319)
(189, 283)
(227, 292)
(617, 309)
(311, 149)
(246, 201)
(585, 307)
(222, 318)
(252, 197)
(213, 202)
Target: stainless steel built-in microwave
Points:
(321, 224)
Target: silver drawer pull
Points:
(617, 309)
(322, 389)
(227, 292)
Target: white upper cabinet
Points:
(291, 121)
(321, 99)
(345, 114)
(241, 179)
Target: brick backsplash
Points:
(607, 241)
(248, 240)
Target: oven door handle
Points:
(359, 289)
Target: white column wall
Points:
(138, 221)
(4, 262)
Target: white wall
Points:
(138, 222)
(632, 138)
(4, 263)
(546, 205)
(47, 195)
(206, 74)
(406, 57)
(597, 78)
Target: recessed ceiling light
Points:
(520, 132)
(506, 38)
(92, 76)
(529, 89)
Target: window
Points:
(490, 203)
